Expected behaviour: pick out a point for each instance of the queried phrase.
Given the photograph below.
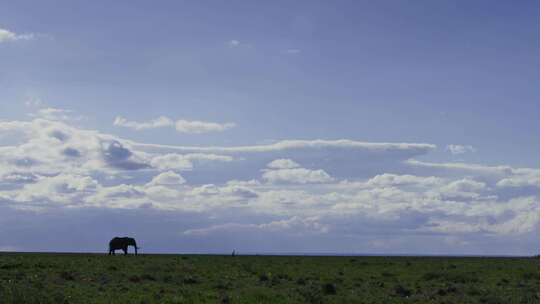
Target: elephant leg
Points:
(125, 251)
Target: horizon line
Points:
(285, 254)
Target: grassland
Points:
(92, 278)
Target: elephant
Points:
(122, 243)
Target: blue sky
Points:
(409, 127)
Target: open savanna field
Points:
(95, 278)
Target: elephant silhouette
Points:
(122, 243)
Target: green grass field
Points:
(92, 278)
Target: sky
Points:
(387, 127)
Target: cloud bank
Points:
(296, 194)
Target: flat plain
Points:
(96, 278)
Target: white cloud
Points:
(184, 162)
(283, 163)
(413, 148)
(297, 223)
(525, 218)
(182, 126)
(294, 224)
(298, 175)
(55, 114)
(238, 191)
(194, 126)
(171, 162)
(466, 167)
(460, 149)
(203, 157)
(54, 165)
(464, 188)
(6, 36)
(120, 196)
(18, 178)
(521, 177)
(159, 122)
(288, 171)
(64, 189)
(47, 147)
(168, 178)
(389, 180)
(506, 176)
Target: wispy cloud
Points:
(407, 148)
(55, 114)
(233, 43)
(159, 122)
(292, 51)
(294, 224)
(6, 36)
(186, 126)
(460, 149)
(33, 102)
(182, 126)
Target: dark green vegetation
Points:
(87, 278)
